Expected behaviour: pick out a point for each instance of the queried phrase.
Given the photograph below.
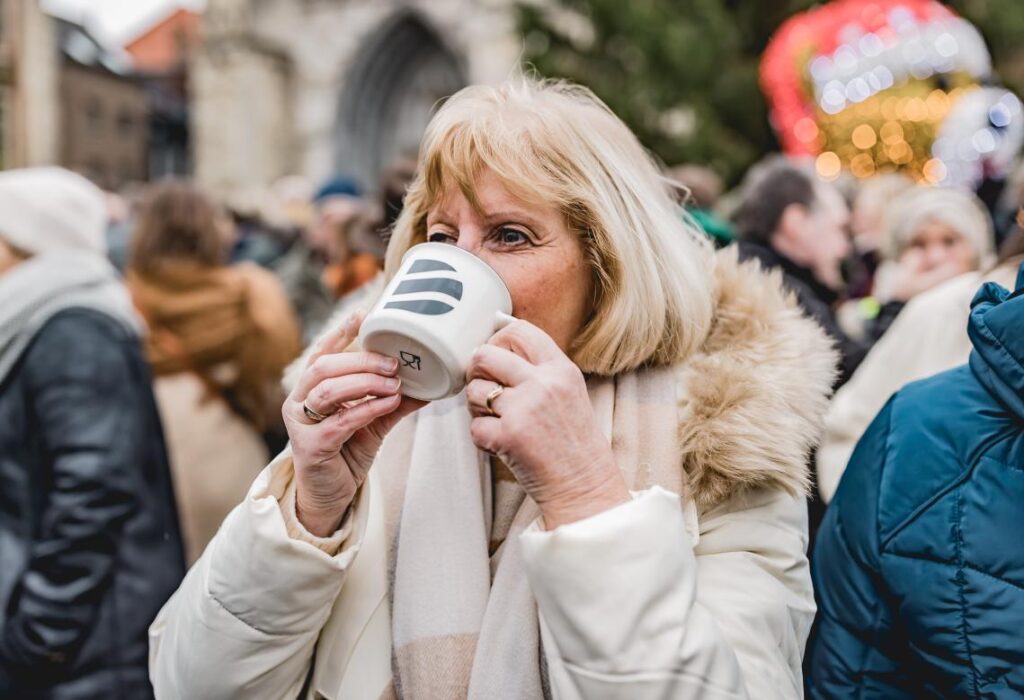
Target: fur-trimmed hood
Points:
(754, 398)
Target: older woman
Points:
(639, 529)
(932, 235)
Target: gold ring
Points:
(314, 416)
(491, 397)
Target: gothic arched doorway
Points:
(399, 74)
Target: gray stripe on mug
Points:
(442, 285)
(430, 266)
(426, 307)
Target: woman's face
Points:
(540, 259)
(939, 245)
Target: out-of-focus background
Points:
(239, 93)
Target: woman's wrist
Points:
(320, 520)
(585, 499)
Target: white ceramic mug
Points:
(442, 304)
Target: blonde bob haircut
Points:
(557, 143)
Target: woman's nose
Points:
(470, 241)
(935, 255)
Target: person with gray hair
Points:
(931, 235)
(89, 541)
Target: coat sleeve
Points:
(630, 608)
(854, 650)
(85, 399)
(234, 630)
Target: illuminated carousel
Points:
(887, 85)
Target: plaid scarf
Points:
(464, 620)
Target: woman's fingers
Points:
(340, 364)
(499, 364)
(332, 394)
(525, 339)
(335, 341)
(350, 420)
(485, 432)
(477, 392)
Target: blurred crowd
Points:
(227, 291)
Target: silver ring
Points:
(314, 416)
(491, 397)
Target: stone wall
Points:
(321, 87)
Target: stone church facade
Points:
(322, 87)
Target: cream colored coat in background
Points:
(716, 603)
(209, 480)
(929, 336)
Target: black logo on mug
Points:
(439, 285)
(410, 360)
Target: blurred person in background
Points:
(90, 542)
(355, 252)
(928, 337)
(118, 229)
(931, 235)
(219, 337)
(789, 221)
(301, 269)
(394, 183)
(868, 226)
(919, 568)
(699, 188)
(261, 230)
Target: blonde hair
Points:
(555, 142)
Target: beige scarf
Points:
(456, 632)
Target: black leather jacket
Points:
(89, 541)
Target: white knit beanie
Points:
(961, 211)
(44, 210)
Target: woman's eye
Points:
(511, 237)
(440, 237)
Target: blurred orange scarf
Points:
(204, 318)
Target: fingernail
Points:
(389, 364)
(393, 384)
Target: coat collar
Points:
(754, 397)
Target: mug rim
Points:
(449, 247)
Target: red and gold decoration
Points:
(876, 85)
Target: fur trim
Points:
(754, 397)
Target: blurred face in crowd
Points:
(9, 257)
(531, 247)
(935, 244)
(817, 237)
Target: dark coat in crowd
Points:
(919, 565)
(89, 540)
(815, 299)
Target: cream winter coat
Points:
(718, 586)
(929, 336)
(213, 453)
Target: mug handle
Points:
(502, 319)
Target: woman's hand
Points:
(542, 425)
(359, 394)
